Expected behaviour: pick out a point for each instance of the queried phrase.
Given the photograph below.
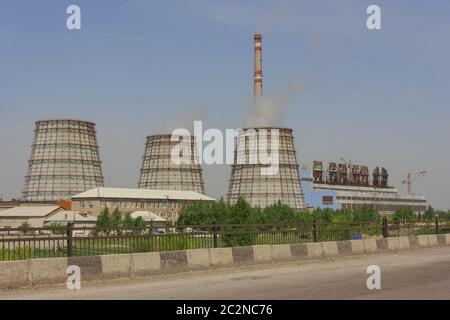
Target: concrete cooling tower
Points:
(261, 189)
(248, 179)
(64, 160)
(159, 171)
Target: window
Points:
(327, 200)
(81, 204)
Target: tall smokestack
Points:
(257, 77)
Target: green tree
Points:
(367, 213)
(139, 223)
(430, 214)
(103, 223)
(25, 226)
(116, 220)
(128, 221)
(403, 214)
(58, 228)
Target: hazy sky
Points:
(139, 67)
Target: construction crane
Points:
(411, 177)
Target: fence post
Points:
(385, 227)
(314, 230)
(436, 221)
(70, 239)
(215, 236)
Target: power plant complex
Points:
(65, 165)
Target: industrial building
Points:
(165, 203)
(64, 161)
(347, 186)
(160, 171)
(247, 179)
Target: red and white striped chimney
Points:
(257, 77)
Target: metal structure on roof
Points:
(64, 160)
(160, 171)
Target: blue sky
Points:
(138, 67)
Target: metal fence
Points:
(19, 244)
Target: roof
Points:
(32, 211)
(68, 216)
(147, 216)
(121, 193)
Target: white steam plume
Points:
(266, 111)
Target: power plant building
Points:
(165, 203)
(64, 161)
(349, 187)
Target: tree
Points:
(403, 214)
(139, 223)
(116, 220)
(367, 213)
(430, 214)
(58, 228)
(128, 221)
(241, 212)
(103, 223)
(24, 226)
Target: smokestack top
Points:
(257, 36)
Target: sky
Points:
(140, 67)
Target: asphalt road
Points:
(412, 274)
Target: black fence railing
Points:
(19, 244)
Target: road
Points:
(412, 274)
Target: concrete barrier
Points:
(403, 243)
(15, 274)
(382, 244)
(198, 258)
(242, 255)
(432, 240)
(146, 263)
(447, 237)
(221, 257)
(174, 260)
(262, 253)
(315, 250)
(422, 240)
(47, 270)
(299, 250)
(281, 252)
(393, 244)
(90, 267)
(442, 239)
(357, 246)
(329, 248)
(116, 264)
(344, 248)
(370, 245)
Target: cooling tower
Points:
(259, 188)
(159, 171)
(64, 160)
